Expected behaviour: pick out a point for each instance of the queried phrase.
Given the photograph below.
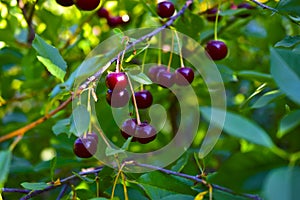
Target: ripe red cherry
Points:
(103, 13)
(143, 99)
(114, 21)
(216, 49)
(153, 71)
(85, 147)
(165, 9)
(117, 98)
(65, 3)
(184, 76)
(87, 5)
(145, 133)
(211, 14)
(116, 80)
(128, 129)
(92, 135)
(165, 79)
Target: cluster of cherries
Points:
(89, 5)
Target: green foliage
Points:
(258, 151)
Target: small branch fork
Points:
(67, 180)
(93, 78)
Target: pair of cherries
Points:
(87, 5)
(117, 95)
(160, 74)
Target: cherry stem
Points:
(143, 66)
(216, 22)
(179, 49)
(134, 102)
(159, 49)
(118, 63)
(171, 53)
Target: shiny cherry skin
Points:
(143, 99)
(103, 13)
(153, 71)
(85, 147)
(184, 76)
(145, 133)
(165, 9)
(116, 80)
(87, 5)
(165, 79)
(92, 135)
(211, 14)
(65, 3)
(115, 21)
(117, 98)
(216, 49)
(128, 129)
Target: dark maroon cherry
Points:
(211, 14)
(143, 99)
(116, 80)
(117, 98)
(92, 135)
(85, 147)
(216, 49)
(245, 6)
(87, 5)
(128, 129)
(165, 9)
(103, 13)
(114, 21)
(184, 76)
(145, 133)
(165, 79)
(65, 3)
(153, 71)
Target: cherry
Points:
(184, 76)
(165, 79)
(128, 129)
(211, 14)
(117, 98)
(216, 49)
(87, 4)
(143, 99)
(92, 135)
(85, 147)
(145, 133)
(165, 9)
(116, 80)
(103, 13)
(245, 6)
(153, 71)
(65, 3)
(114, 21)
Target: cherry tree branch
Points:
(67, 180)
(94, 77)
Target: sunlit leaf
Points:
(34, 186)
(288, 123)
(5, 161)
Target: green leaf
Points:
(140, 78)
(218, 194)
(84, 178)
(158, 185)
(127, 143)
(61, 126)
(181, 162)
(267, 98)
(178, 197)
(239, 126)
(109, 151)
(50, 57)
(283, 183)
(52, 167)
(253, 75)
(288, 41)
(81, 120)
(5, 161)
(289, 6)
(288, 123)
(34, 186)
(286, 72)
(227, 74)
